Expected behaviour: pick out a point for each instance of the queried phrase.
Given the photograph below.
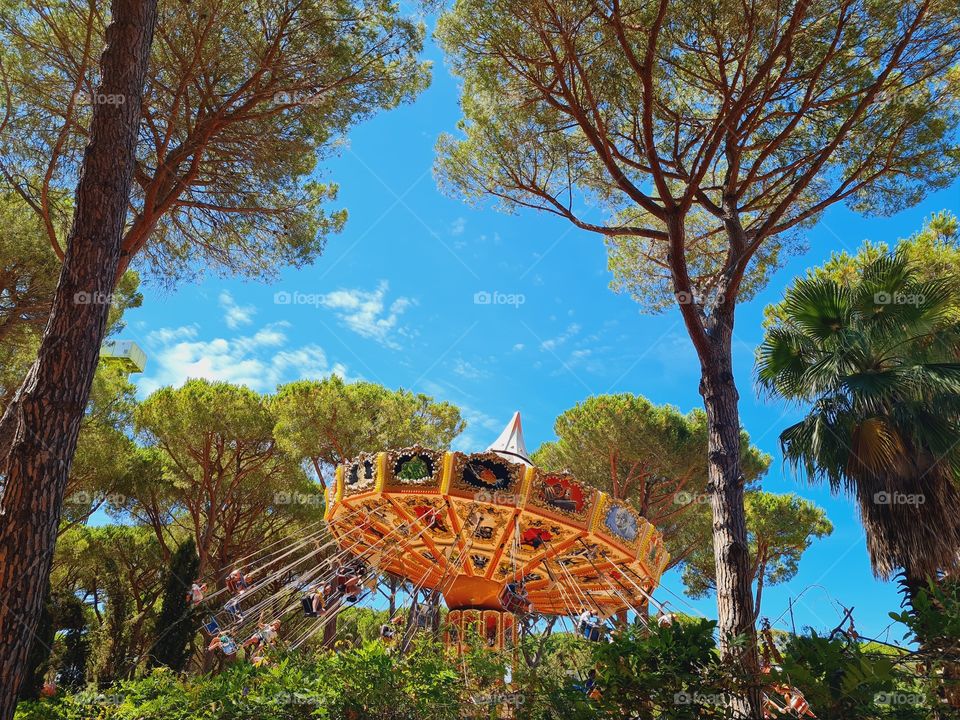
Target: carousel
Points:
(495, 537)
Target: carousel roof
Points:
(510, 445)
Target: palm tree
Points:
(876, 360)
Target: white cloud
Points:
(458, 226)
(165, 336)
(235, 315)
(555, 342)
(468, 370)
(257, 361)
(367, 313)
(518, 347)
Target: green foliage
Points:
(933, 616)
(934, 252)
(932, 619)
(843, 681)
(876, 360)
(120, 568)
(212, 469)
(414, 469)
(364, 682)
(329, 421)
(176, 622)
(672, 672)
(226, 165)
(780, 528)
(106, 455)
(29, 270)
(28, 277)
(70, 621)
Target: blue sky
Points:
(392, 300)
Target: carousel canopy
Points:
(467, 525)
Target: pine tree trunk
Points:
(734, 594)
(51, 401)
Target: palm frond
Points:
(819, 307)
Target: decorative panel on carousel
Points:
(413, 470)
(486, 478)
(360, 476)
(452, 630)
(620, 524)
(563, 497)
(491, 629)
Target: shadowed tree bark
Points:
(49, 405)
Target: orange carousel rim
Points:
(470, 524)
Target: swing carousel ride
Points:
(502, 543)
(495, 536)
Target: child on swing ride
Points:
(225, 644)
(237, 582)
(265, 636)
(196, 593)
(589, 626)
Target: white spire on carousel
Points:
(510, 445)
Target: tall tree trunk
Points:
(50, 403)
(734, 594)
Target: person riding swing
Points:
(589, 626)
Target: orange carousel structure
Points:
(495, 536)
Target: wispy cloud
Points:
(468, 370)
(166, 336)
(555, 342)
(235, 315)
(367, 312)
(259, 361)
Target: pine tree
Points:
(177, 623)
